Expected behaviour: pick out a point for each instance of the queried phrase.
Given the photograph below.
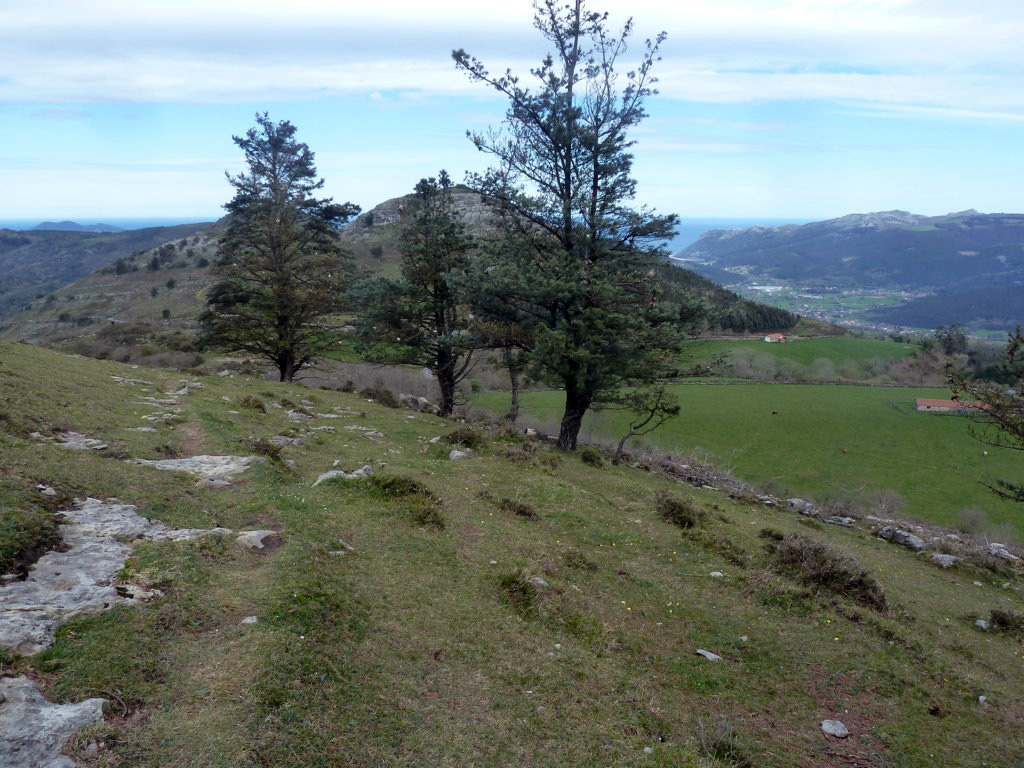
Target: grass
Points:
(837, 349)
(423, 646)
(825, 441)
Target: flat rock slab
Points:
(355, 475)
(205, 466)
(904, 538)
(259, 540)
(79, 442)
(33, 731)
(80, 580)
(835, 728)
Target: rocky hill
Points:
(888, 250)
(271, 575)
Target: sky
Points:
(797, 109)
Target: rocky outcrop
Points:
(33, 731)
(80, 580)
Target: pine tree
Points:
(424, 317)
(575, 264)
(281, 275)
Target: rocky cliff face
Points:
(473, 211)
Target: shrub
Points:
(1007, 621)
(592, 457)
(816, 564)
(253, 403)
(381, 395)
(465, 437)
(415, 500)
(679, 512)
(723, 745)
(261, 446)
(25, 536)
(520, 593)
(573, 558)
(514, 507)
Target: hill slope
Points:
(126, 294)
(36, 262)
(892, 250)
(997, 307)
(511, 608)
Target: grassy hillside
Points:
(999, 308)
(826, 441)
(435, 646)
(35, 263)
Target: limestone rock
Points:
(255, 540)
(1000, 550)
(80, 580)
(943, 560)
(79, 442)
(846, 522)
(419, 404)
(708, 655)
(902, 537)
(205, 466)
(33, 731)
(835, 728)
(363, 471)
(457, 454)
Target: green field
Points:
(825, 441)
(837, 349)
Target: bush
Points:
(25, 536)
(679, 512)
(592, 457)
(816, 564)
(261, 446)
(465, 437)
(1007, 621)
(514, 507)
(415, 500)
(381, 395)
(520, 593)
(253, 403)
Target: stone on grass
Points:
(363, 471)
(33, 731)
(708, 655)
(835, 728)
(214, 482)
(802, 506)
(1000, 550)
(716, 575)
(79, 442)
(457, 454)
(255, 540)
(205, 466)
(249, 620)
(846, 522)
(981, 624)
(144, 429)
(943, 560)
(538, 582)
(902, 537)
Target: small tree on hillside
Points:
(1001, 423)
(281, 275)
(575, 266)
(424, 317)
(648, 408)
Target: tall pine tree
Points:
(281, 275)
(575, 264)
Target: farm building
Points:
(946, 406)
(775, 337)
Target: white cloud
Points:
(936, 53)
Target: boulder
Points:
(457, 454)
(419, 404)
(902, 537)
(943, 560)
(708, 655)
(846, 522)
(363, 471)
(256, 540)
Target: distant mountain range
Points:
(161, 283)
(891, 249)
(36, 262)
(72, 226)
(993, 307)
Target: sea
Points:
(114, 221)
(689, 230)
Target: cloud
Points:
(935, 53)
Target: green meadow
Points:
(824, 441)
(836, 349)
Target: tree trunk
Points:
(576, 405)
(286, 367)
(446, 381)
(619, 448)
(513, 377)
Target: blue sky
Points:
(768, 108)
